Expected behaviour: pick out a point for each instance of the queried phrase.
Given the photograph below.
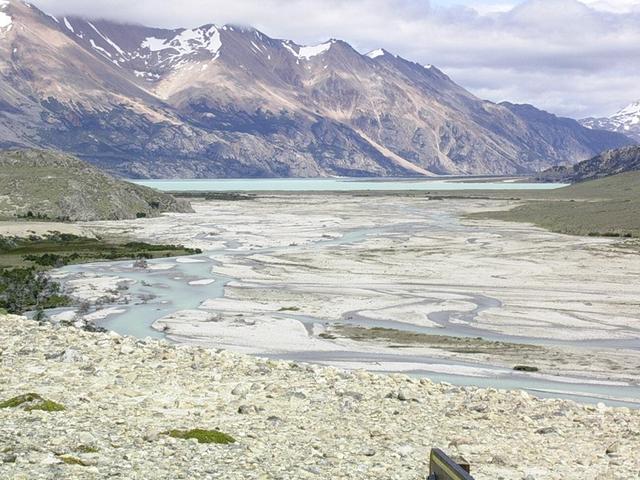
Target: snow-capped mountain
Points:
(625, 121)
(231, 101)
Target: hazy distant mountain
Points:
(229, 101)
(611, 162)
(626, 121)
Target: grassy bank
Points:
(24, 261)
(604, 207)
(59, 249)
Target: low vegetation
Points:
(202, 436)
(525, 368)
(43, 185)
(32, 401)
(71, 460)
(211, 196)
(402, 339)
(608, 207)
(59, 249)
(23, 289)
(23, 284)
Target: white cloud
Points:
(618, 6)
(572, 57)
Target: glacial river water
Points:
(172, 289)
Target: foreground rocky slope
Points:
(228, 101)
(53, 185)
(289, 421)
(611, 162)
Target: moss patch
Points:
(32, 401)
(203, 436)
(86, 449)
(69, 460)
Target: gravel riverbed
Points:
(290, 421)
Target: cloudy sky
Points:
(572, 57)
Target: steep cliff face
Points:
(228, 101)
(37, 183)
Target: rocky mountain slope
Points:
(611, 162)
(626, 121)
(228, 101)
(50, 185)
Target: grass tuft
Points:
(69, 460)
(203, 436)
(31, 402)
(87, 449)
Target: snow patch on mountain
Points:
(68, 25)
(5, 19)
(187, 41)
(99, 48)
(108, 40)
(308, 52)
(376, 53)
(155, 44)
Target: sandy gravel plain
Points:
(303, 275)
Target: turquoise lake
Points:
(341, 184)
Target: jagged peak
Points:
(631, 110)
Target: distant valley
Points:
(232, 102)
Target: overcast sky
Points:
(573, 57)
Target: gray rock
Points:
(241, 389)
(546, 430)
(247, 409)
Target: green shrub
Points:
(23, 289)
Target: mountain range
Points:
(626, 121)
(230, 101)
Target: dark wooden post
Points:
(443, 467)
